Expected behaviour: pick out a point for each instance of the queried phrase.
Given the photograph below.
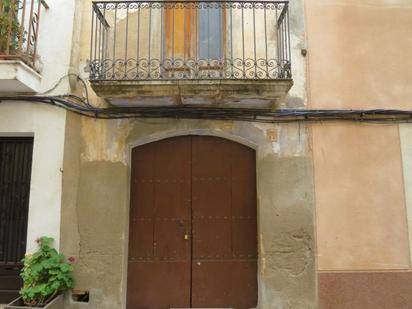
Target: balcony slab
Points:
(16, 76)
(253, 93)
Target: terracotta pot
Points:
(56, 303)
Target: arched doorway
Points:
(193, 226)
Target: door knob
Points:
(186, 237)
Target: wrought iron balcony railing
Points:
(172, 40)
(19, 29)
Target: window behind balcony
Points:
(193, 33)
(210, 34)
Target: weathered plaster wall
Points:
(348, 44)
(360, 204)
(70, 233)
(55, 42)
(297, 96)
(99, 219)
(359, 55)
(405, 132)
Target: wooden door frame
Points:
(154, 137)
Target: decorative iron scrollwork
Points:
(254, 43)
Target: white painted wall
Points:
(55, 42)
(45, 123)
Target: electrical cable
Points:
(83, 107)
(77, 105)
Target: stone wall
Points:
(98, 217)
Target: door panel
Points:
(170, 243)
(224, 283)
(243, 240)
(158, 285)
(212, 196)
(159, 254)
(224, 227)
(211, 238)
(193, 230)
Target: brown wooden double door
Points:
(193, 229)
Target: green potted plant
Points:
(9, 27)
(46, 276)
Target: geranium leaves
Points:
(45, 274)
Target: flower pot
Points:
(56, 303)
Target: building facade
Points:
(171, 187)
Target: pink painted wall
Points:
(360, 56)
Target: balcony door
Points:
(194, 32)
(193, 228)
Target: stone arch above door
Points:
(170, 133)
(284, 206)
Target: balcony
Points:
(19, 60)
(157, 53)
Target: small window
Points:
(193, 33)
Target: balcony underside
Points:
(16, 76)
(224, 93)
